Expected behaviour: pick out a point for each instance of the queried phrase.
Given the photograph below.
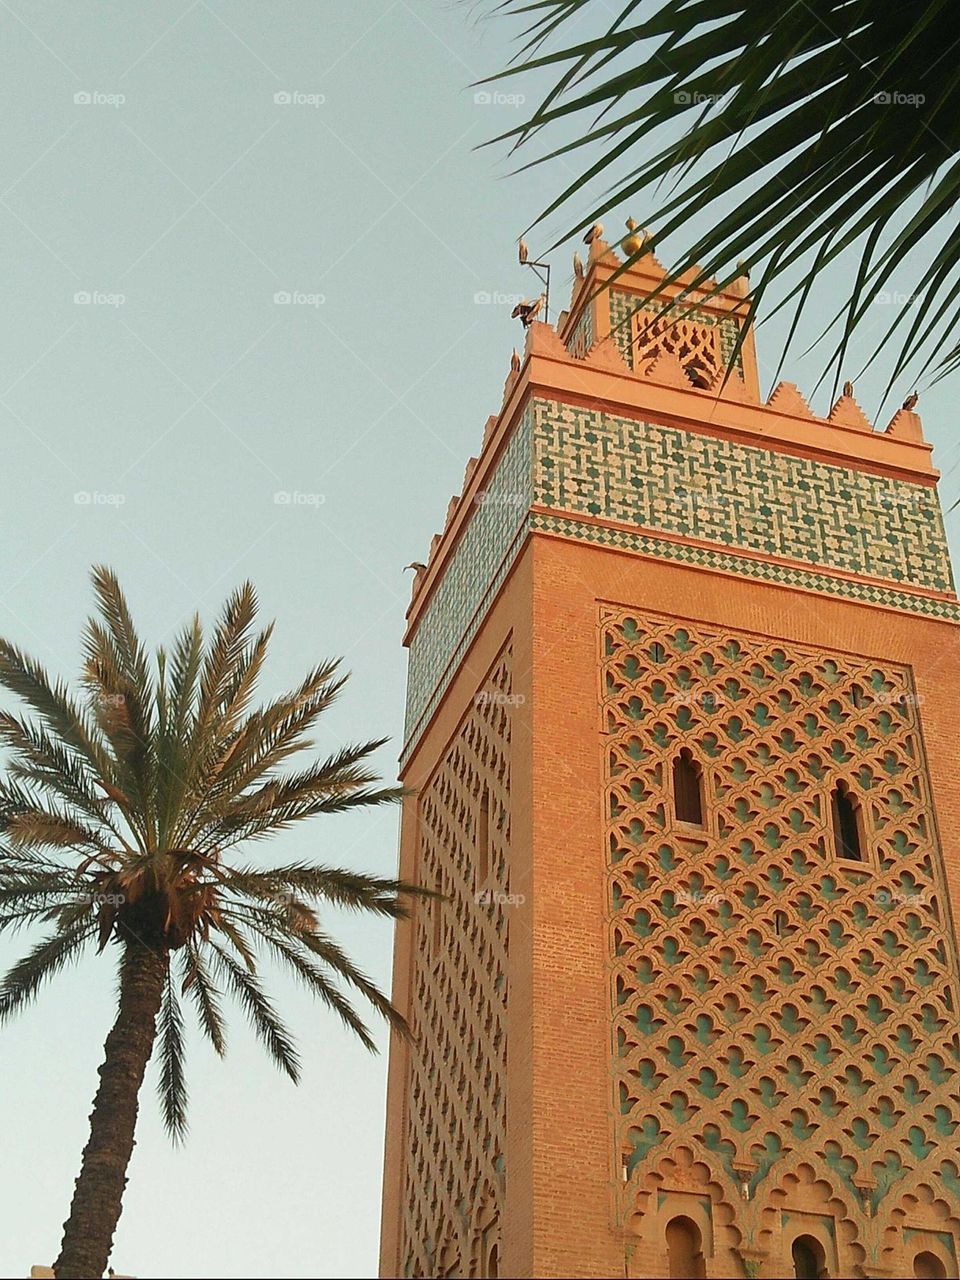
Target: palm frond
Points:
(53, 704)
(124, 713)
(319, 984)
(324, 948)
(272, 734)
(116, 613)
(354, 890)
(198, 982)
(263, 1017)
(171, 1085)
(22, 983)
(274, 924)
(42, 759)
(791, 133)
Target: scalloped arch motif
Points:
(454, 1150)
(770, 999)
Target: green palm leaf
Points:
(794, 133)
(172, 1085)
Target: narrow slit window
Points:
(846, 824)
(436, 921)
(483, 839)
(688, 789)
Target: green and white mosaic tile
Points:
(484, 554)
(736, 495)
(661, 484)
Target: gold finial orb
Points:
(633, 243)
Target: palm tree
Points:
(815, 127)
(122, 816)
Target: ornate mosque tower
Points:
(682, 751)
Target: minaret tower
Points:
(682, 756)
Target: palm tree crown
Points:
(122, 814)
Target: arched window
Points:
(490, 1253)
(846, 824)
(493, 1263)
(687, 789)
(809, 1262)
(684, 1250)
(929, 1266)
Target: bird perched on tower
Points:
(523, 251)
(526, 311)
(911, 402)
(417, 566)
(848, 390)
(595, 232)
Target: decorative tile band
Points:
(581, 339)
(760, 570)
(474, 573)
(661, 480)
(738, 496)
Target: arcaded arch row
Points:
(684, 1216)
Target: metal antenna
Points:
(542, 271)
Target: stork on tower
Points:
(541, 270)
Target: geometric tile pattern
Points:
(697, 489)
(453, 1157)
(479, 564)
(581, 339)
(769, 997)
(738, 496)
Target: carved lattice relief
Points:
(696, 345)
(626, 321)
(771, 998)
(454, 1158)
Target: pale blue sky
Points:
(182, 412)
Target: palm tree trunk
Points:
(98, 1192)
